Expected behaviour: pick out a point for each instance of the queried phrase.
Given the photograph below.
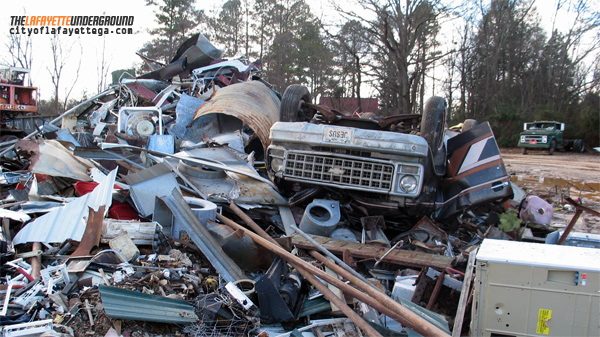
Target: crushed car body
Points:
(393, 170)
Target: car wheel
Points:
(468, 124)
(577, 145)
(581, 146)
(433, 125)
(552, 147)
(292, 109)
(524, 150)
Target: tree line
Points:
(498, 63)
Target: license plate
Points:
(533, 141)
(335, 135)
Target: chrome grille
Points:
(359, 174)
(538, 138)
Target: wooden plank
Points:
(375, 252)
(334, 289)
(464, 295)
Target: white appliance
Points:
(533, 289)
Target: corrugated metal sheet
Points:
(126, 304)
(68, 222)
(252, 102)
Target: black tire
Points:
(582, 146)
(576, 146)
(524, 150)
(468, 124)
(567, 145)
(433, 125)
(292, 109)
(552, 147)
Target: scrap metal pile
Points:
(206, 202)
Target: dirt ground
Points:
(551, 177)
(582, 167)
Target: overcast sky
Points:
(120, 49)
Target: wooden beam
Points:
(375, 252)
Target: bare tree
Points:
(102, 67)
(61, 53)
(20, 49)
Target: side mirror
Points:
(524, 126)
(562, 126)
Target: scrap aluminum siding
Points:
(126, 304)
(252, 102)
(68, 222)
(144, 193)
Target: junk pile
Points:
(199, 197)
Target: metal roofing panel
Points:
(127, 304)
(68, 222)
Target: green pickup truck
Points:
(547, 135)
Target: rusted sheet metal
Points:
(370, 251)
(252, 102)
(53, 159)
(93, 231)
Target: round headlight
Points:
(544, 139)
(408, 183)
(522, 139)
(277, 164)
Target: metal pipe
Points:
(378, 301)
(255, 227)
(36, 261)
(9, 142)
(331, 255)
(386, 254)
(31, 135)
(359, 321)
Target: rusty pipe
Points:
(379, 301)
(359, 321)
(36, 261)
(255, 227)
(324, 250)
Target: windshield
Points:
(542, 126)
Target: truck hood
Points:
(539, 132)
